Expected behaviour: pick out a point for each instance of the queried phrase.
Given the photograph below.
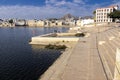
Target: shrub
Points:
(80, 35)
(56, 47)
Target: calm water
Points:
(18, 59)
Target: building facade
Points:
(40, 23)
(32, 23)
(83, 22)
(87, 21)
(102, 13)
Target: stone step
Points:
(116, 41)
(108, 36)
(106, 62)
(111, 45)
(115, 44)
(108, 59)
(114, 32)
(110, 50)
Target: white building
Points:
(102, 13)
(32, 23)
(78, 22)
(20, 22)
(40, 23)
(84, 22)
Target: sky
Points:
(41, 9)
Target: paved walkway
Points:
(84, 62)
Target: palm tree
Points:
(94, 13)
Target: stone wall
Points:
(117, 65)
(53, 38)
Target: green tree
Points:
(11, 21)
(94, 13)
(115, 15)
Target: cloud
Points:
(50, 1)
(29, 12)
(64, 2)
(52, 8)
(117, 3)
(75, 7)
(79, 1)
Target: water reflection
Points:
(20, 61)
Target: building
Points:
(83, 22)
(54, 23)
(87, 22)
(6, 24)
(32, 23)
(78, 22)
(47, 23)
(20, 22)
(59, 23)
(102, 13)
(40, 23)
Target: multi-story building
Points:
(102, 13)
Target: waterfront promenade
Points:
(92, 61)
(89, 60)
(85, 62)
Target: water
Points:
(18, 59)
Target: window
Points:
(105, 10)
(111, 10)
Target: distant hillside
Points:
(68, 16)
(87, 17)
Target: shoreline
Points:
(58, 66)
(55, 70)
(36, 26)
(86, 25)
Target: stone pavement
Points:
(84, 62)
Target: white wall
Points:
(87, 21)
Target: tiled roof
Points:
(109, 7)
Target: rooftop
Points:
(112, 6)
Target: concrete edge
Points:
(55, 71)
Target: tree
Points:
(11, 21)
(115, 15)
(94, 13)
